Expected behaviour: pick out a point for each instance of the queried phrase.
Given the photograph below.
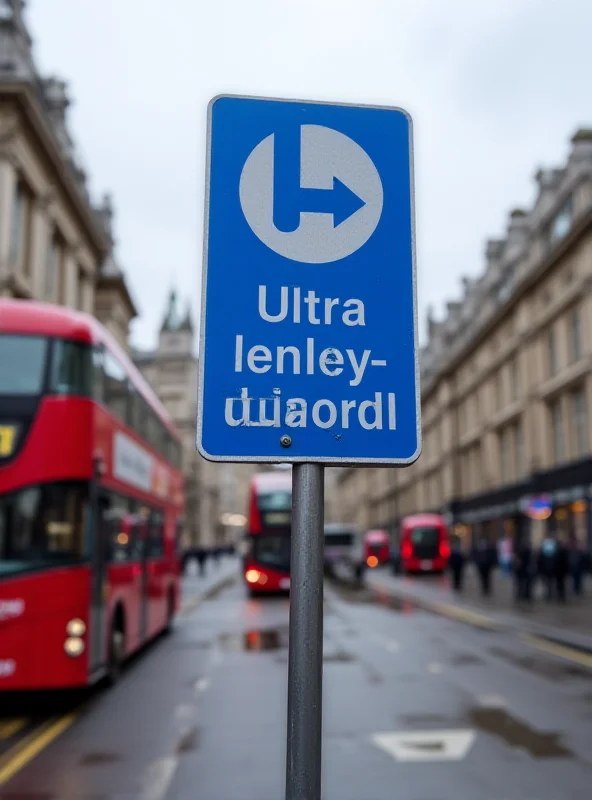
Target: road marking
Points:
(491, 701)
(569, 653)
(184, 711)
(202, 684)
(463, 615)
(450, 745)
(11, 726)
(159, 777)
(32, 745)
(435, 668)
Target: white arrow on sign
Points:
(450, 745)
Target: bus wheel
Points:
(116, 655)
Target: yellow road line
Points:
(11, 726)
(463, 615)
(569, 653)
(32, 745)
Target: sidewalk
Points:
(570, 624)
(196, 588)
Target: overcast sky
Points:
(495, 87)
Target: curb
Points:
(475, 616)
(224, 582)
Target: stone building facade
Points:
(216, 494)
(507, 383)
(55, 244)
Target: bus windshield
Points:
(42, 526)
(22, 364)
(275, 501)
(425, 537)
(272, 550)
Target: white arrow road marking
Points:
(491, 701)
(451, 745)
(159, 777)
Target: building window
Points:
(519, 445)
(19, 238)
(576, 335)
(580, 420)
(53, 269)
(80, 288)
(561, 222)
(514, 379)
(506, 456)
(552, 352)
(499, 390)
(557, 431)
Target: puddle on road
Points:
(516, 733)
(189, 742)
(98, 759)
(555, 671)
(464, 660)
(373, 596)
(255, 640)
(338, 657)
(428, 720)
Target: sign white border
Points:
(287, 457)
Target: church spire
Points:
(172, 319)
(187, 324)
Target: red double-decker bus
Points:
(269, 523)
(91, 502)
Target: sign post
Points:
(305, 654)
(308, 346)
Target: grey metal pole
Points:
(305, 658)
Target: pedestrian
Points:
(546, 565)
(504, 554)
(201, 560)
(457, 564)
(523, 571)
(561, 569)
(485, 558)
(576, 565)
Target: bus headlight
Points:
(74, 646)
(252, 575)
(76, 627)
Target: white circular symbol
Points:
(340, 197)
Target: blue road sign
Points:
(308, 333)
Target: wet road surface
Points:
(416, 706)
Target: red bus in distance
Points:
(269, 524)
(377, 548)
(91, 502)
(425, 543)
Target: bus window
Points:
(71, 371)
(272, 550)
(155, 539)
(22, 364)
(42, 526)
(116, 390)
